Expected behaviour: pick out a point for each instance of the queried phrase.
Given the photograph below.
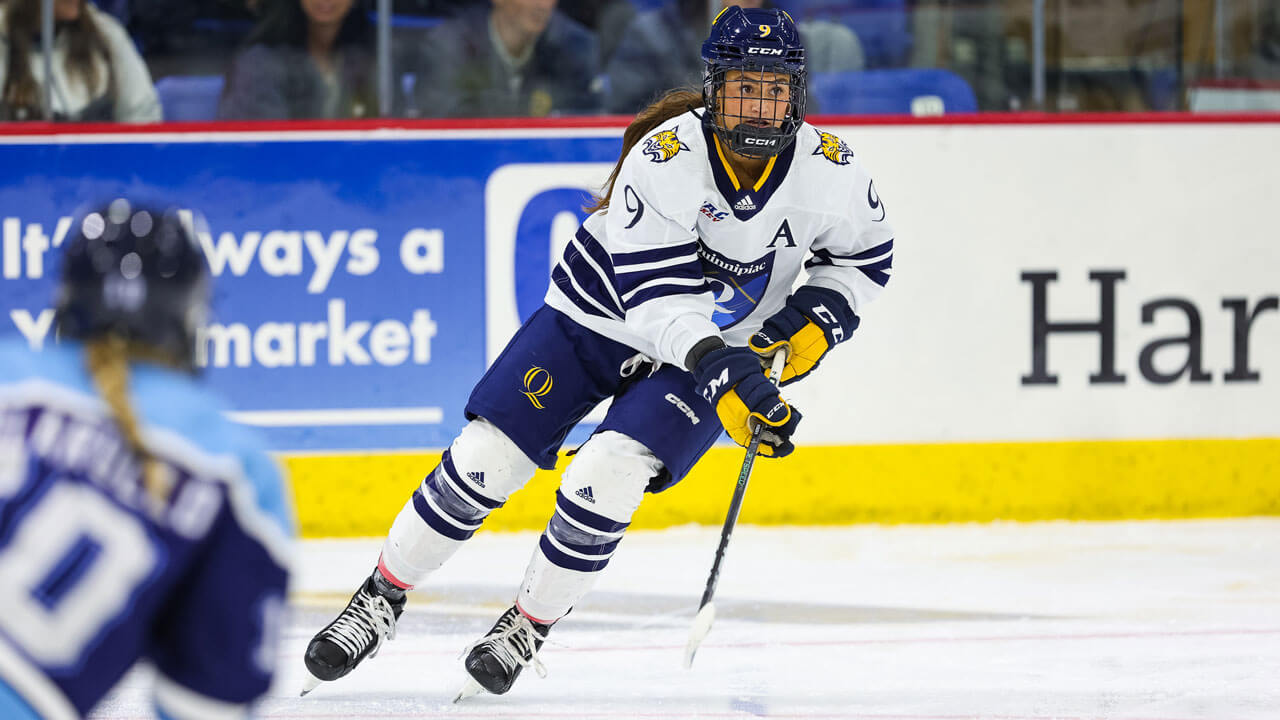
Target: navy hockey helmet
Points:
(137, 273)
(752, 42)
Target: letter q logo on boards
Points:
(531, 212)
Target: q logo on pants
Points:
(537, 382)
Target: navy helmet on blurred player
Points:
(761, 47)
(136, 521)
(138, 274)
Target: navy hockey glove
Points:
(730, 379)
(814, 320)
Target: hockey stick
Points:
(707, 609)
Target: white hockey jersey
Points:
(685, 251)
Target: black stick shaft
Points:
(735, 504)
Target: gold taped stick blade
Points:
(701, 626)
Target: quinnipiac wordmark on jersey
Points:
(738, 286)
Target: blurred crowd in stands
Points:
(151, 60)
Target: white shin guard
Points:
(600, 491)
(412, 550)
(477, 474)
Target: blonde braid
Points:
(107, 358)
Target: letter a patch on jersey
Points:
(784, 233)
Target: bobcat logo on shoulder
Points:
(663, 145)
(833, 148)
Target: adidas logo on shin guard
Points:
(585, 494)
(477, 478)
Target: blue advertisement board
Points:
(357, 294)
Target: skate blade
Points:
(309, 683)
(470, 688)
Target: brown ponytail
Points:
(107, 358)
(673, 103)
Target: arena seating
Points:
(883, 26)
(188, 98)
(919, 91)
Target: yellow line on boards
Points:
(359, 495)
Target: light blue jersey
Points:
(96, 572)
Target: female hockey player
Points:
(673, 293)
(135, 521)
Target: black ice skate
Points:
(495, 660)
(355, 634)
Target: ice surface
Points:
(1132, 621)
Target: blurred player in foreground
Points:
(672, 294)
(135, 521)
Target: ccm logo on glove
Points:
(716, 387)
(730, 379)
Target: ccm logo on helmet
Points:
(764, 51)
(760, 141)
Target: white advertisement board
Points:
(1050, 282)
(1153, 250)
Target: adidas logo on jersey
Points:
(476, 477)
(746, 203)
(585, 494)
